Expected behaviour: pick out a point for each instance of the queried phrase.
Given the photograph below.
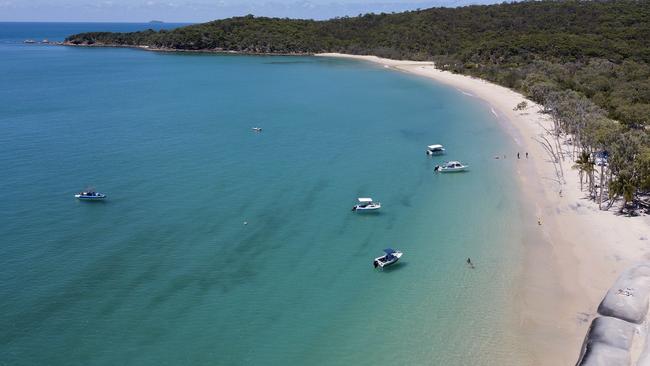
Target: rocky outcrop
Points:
(628, 298)
(623, 313)
(607, 343)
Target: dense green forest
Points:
(586, 62)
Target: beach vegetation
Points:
(521, 106)
(584, 164)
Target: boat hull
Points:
(87, 198)
(358, 208)
(452, 170)
(380, 262)
(387, 264)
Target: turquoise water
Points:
(166, 272)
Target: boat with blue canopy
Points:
(391, 256)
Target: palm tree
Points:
(584, 165)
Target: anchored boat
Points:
(451, 167)
(391, 256)
(90, 196)
(366, 204)
(435, 150)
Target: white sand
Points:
(577, 252)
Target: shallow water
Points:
(166, 271)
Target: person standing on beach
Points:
(517, 155)
(526, 154)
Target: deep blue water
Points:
(166, 272)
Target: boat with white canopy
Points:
(366, 204)
(435, 150)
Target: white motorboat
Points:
(451, 167)
(90, 196)
(435, 150)
(257, 129)
(366, 204)
(391, 257)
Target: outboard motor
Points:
(437, 168)
(374, 263)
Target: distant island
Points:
(156, 22)
(586, 62)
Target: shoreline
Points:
(176, 50)
(578, 251)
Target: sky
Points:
(192, 11)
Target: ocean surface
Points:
(221, 246)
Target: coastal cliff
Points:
(619, 335)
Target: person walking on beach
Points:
(469, 261)
(517, 155)
(526, 154)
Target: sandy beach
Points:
(575, 252)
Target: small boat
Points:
(451, 167)
(435, 150)
(45, 41)
(391, 257)
(366, 204)
(29, 41)
(257, 129)
(90, 196)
